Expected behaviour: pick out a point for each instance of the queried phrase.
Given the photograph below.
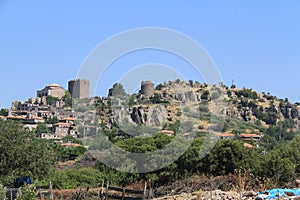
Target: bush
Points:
(73, 178)
(205, 95)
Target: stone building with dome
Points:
(53, 89)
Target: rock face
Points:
(153, 116)
(187, 96)
(164, 104)
(156, 115)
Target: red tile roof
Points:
(70, 119)
(186, 134)
(167, 132)
(251, 135)
(248, 145)
(62, 124)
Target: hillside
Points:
(258, 135)
(200, 108)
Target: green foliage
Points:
(50, 99)
(28, 192)
(69, 153)
(268, 142)
(131, 100)
(159, 86)
(2, 192)
(98, 104)
(247, 93)
(227, 156)
(281, 165)
(117, 91)
(215, 95)
(203, 107)
(229, 93)
(155, 99)
(41, 128)
(71, 139)
(205, 95)
(73, 178)
(270, 116)
(52, 120)
(67, 98)
(3, 112)
(172, 126)
(190, 162)
(143, 145)
(22, 154)
(268, 96)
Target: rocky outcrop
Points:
(187, 96)
(150, 116)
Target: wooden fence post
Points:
(145, 190)
(123, 193)
(51, 191)
(106, 192)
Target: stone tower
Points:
(147, 88)
(79, 88)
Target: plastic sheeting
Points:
(282, 192)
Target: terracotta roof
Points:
(168, 132)
(15, 117)
(186, 134)
(39, 118)
(62, 124)
(250, 135)
(70, 119)
(248, 145)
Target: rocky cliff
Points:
(179, 100)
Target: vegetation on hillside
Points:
(273, 160)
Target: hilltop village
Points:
(257, 136)
(52, 106)
(172, 108)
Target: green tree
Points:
(205, 95)
(21, 153)
(3, 112)
(41, 128)
(227, 156)
(117, 91)
(52, 120)
(67, 98)
(50, 99)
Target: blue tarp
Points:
(18, 182)
(273, 193)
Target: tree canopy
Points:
(22, 154)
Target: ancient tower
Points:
(147, 88)
(79, 88)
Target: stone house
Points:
(54, 90)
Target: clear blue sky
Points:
(256, 43)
